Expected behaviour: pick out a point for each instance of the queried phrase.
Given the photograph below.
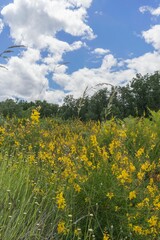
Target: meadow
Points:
(69, 180)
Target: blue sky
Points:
(104, 41)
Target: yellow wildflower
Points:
(35, 116)
(140, 152)
(2, 130)
(140, 175)
(122, 133)
(60, 200)
(156, 202)
(110, 195)
(124, 177)
(153, 221)
(77, 231)
(94, 140)
(138, 229)
(61, 228)
(77, 187)
(113, 145)
(116, 208)
(106, 236)
(132, 195)
(132, 167)
(145, 166)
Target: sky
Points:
(74, 44)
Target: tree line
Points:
(136, 99)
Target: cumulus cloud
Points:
(77, 82)
(153, 11)
(100, 51)
(24, 77)
(112, 71)
(54, 96)
(152, 36)
(36, 24)
(147, 63)
(31, 21)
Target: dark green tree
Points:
(69, 108)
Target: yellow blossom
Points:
(139, 152)
(138, 229)
(106, 236)
(132, 167)
(110, 195)
(113, 145)
(61, 229)
(140, 175)
(153, 221)
(77, 187)
(35, 116)
(122, 133)
(145, 166)
(116, 208)
(124, 177)
(132, 195)
(2, 130)
(61, 203)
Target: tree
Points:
(9, 108)
(69, 108)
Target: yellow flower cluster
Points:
(35, 116)
(61, 203)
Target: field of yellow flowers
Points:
(73, 180)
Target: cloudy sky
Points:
(72, 44)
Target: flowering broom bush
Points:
(74, 180)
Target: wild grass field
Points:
(73, 180)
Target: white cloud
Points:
(31, 21)
(24, 77)
(36, 24)
(153, 11)
(153, 36)
(76, 82)
(147, 63)
(55, 96)
(111, 71)
(1, 26)
(100, 51)
(108, 62)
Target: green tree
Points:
(69, 108)
(10, 108)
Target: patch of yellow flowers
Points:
(68, 154)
